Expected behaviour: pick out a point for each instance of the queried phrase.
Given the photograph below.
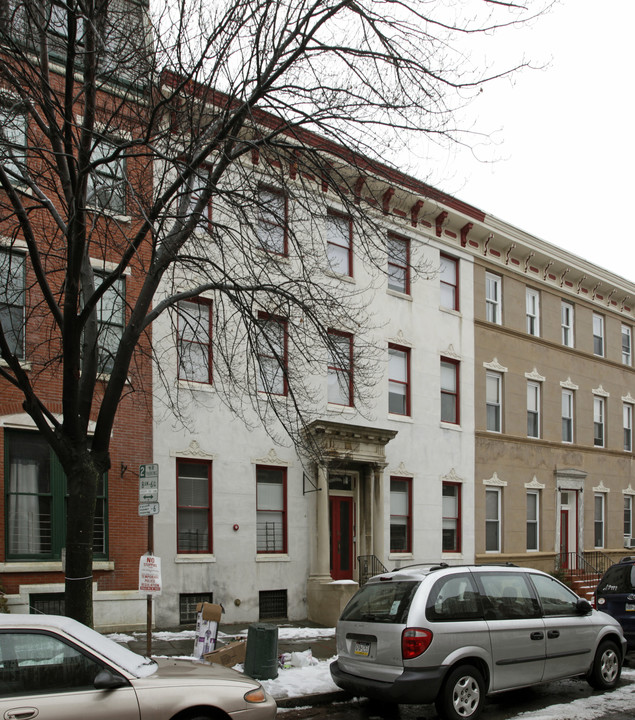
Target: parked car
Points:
(615, 595)
(55, 668)
(452, 635)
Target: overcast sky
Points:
(564, 136)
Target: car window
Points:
(618, 579)
(508, 596)
(454, 597)
(32, 663)
(383, 602)
(555, 598)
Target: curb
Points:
(313, 699)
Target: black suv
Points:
(615, 595)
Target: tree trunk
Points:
(80, 520)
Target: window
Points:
(272, 355)
(628, 517)
(599, 520)
(533, 409)
(340, 370)
(194, 506)
(196, 186)
(35, 501)
(627, 411)
(555, 599)
(533, 509)
(598, 335)
(398, 380)
(272, 604)
(398, 264)
(12, 300)
(451, 508)
(272, 228)
(13, 139)
(194, 341)
(106, 188)
(493, 298)
(567, 416)
(533, 311)
(450, 391)
(449, 277)
(339, 240)
(400, 520)
(494, 402)
(271, 509)
(188, 603)
(492, 520)
(598, 422)
(627, 357)
(111, 320)
(566, 321)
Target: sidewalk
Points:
(293, 687)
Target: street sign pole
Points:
(149, 596)
(148, 502)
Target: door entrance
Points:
(568, 529)
(341, 512)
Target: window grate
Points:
(47, 603)
(187, 606)
(272, 604)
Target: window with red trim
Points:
(400, 515)
(398, 380)
(194, 506)
(196, 186)
(450, 405)
(194, 340)
(339, 239)
(340, 368)
(451, 517)
(272, 355)
(272, 226)
(449, 279)
(398, 264)
(271, 509)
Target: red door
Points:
(564, 538)
(341, 537)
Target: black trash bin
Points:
(261, 656)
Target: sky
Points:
(562, 135)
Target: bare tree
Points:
(194, 146)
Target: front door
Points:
(568, 529)
(341, 537)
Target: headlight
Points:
(601, 601)
(255, 696)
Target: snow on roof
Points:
(121, 656)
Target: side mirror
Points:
(583, 607)
(106, 680)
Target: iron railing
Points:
(368, 566)
(586, 566)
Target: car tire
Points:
(607, 666)
(462, 695)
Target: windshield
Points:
(382, 602)
(618, 579)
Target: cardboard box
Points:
(207, 620)
(228, 655)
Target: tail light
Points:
(414, 642)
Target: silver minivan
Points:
(452, 635)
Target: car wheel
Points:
(606, 668)
(462, 695)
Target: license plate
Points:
(630, 607)
(362, 648)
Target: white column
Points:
(378, 512)
(322, 560)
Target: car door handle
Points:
(553, 633)
(537, 635)
(21, 713)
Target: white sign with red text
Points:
(150, 575)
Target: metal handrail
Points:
(589, 566)
(369, 565)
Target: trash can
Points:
(261, 658)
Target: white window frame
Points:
(533, 503)
(494, 521)
(493, 298)
(567, 415)
(533, 408)
(532, 301)
(627, 345)
(598, 335)
(13, 300)
(497, 403)
(599, 421)
(628, 517)
(627, 416)
(566, 322)
(599, 519)
(109, 176)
